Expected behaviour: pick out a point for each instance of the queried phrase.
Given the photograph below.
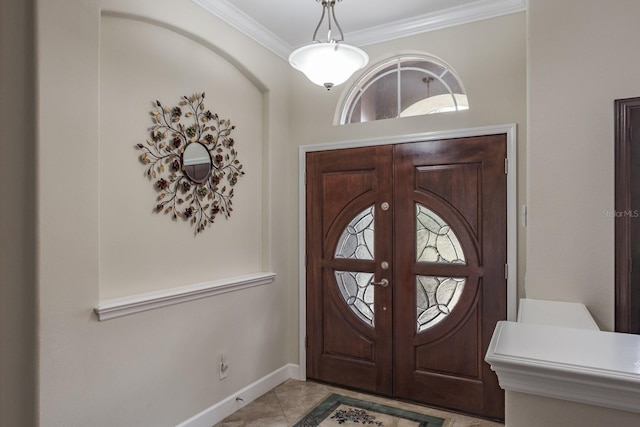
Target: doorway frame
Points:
(510, 130)
(622, 203)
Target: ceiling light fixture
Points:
(332, 62)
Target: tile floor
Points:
(291, 400)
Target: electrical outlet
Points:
(223, 368)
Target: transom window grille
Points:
(403, 86)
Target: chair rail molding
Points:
(118, 307)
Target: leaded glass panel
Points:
(357, 291)
(435, 240)
(436, 298)
(356, 240)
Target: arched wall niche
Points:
(212, 46)
(143, 61)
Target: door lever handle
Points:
(384, 283)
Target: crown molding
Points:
(459, 15)
(472, 12)
(242, 22)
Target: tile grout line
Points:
(284, 413)
(293, 391)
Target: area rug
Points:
(337, 410)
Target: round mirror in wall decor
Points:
(196, 162)
(191, 159)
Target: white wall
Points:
(17, 213)
(581, 58)
(159, 367)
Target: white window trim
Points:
(352, 94)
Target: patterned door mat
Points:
(337, 410)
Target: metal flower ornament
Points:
(191, 160)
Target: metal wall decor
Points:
(191, 160)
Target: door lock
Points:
(384, 283)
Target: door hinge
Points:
(506, 272)
(506, 166)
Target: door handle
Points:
(384, 283)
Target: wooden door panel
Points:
(461, 346)
(448, 392)
(462, 185)
(352, 184)
(343, 347)
(438, 210)
(332, 370)
(341, 337)
(457, 184)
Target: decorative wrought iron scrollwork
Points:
(195, 196)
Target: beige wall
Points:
(17, 215)
(489, 56)
(158, 367)
(581, 58)
(525, 410)
(141, 62)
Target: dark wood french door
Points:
(406, 253)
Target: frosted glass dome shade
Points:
(328, 64)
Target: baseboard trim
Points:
(227, 406)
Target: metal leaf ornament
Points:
(174, 128)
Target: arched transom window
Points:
(402, 86)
